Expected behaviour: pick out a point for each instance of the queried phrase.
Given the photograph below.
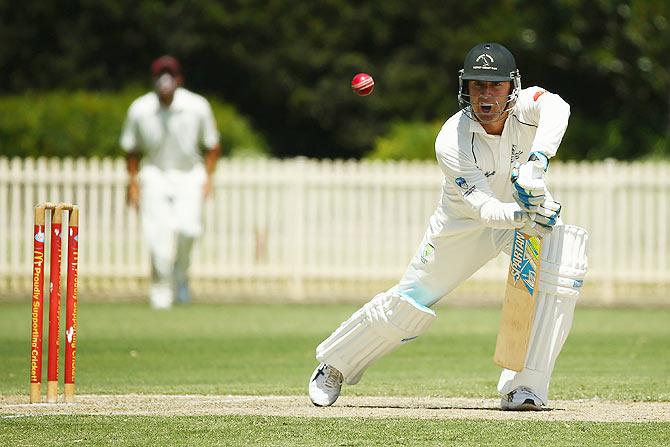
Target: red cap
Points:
(165, 63)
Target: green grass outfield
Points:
(614, 354)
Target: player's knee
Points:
(373, 331)
(397, 317)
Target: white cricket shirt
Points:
(476, 189)
(170, 137)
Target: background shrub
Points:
(85, 123)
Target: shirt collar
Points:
(476, 127)
(177, 102)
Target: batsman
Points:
(494, 154)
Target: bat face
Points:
(525, 261)
(518, 308)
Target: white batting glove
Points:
(541, 222)
(530, 227)
(547, 213)
(528, 180)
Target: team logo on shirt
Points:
(516, 153)
(427, 254)
(460, 181)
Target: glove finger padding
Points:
(547, 213)
(529, 226)
(527, 202)
(545, 221)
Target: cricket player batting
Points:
(494, 154)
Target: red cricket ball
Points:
(363, 84)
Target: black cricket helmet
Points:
(488, 61)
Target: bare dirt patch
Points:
(347, 406)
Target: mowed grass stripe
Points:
(617, 354)
(286, 431)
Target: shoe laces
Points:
(522, 389)
(333, 378)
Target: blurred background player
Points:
(478, 149)
(166, 129)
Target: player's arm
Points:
(209, 138)
(469, 183)
(211, 158)
(133, 166)
(130, 144)
(463, 176)
(550, 114)
(547, 111)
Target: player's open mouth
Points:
(486, 108)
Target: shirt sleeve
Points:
(549, 112)
(466, 183)
(209, 135)
(128, 140)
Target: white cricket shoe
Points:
(325, 385)
(521, 399)
(160, 296)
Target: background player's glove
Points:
(528, 180)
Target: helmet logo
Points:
(485, 60)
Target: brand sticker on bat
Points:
(524, 262)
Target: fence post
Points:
(297, 223)
(611, 184)
(5, 259)
(328, 224)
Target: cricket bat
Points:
(518, 310)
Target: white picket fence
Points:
(304, 229)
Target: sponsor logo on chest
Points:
(516, 153)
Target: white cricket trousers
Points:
(447, 258)
(171, 213)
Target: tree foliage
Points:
(288, 64)
(407, 140)
(85, 123)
